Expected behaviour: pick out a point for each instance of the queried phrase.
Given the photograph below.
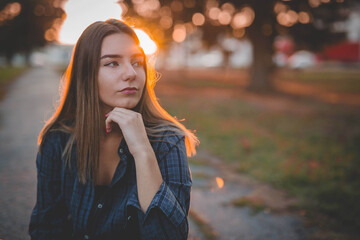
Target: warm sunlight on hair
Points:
(81, 13)
(146, 42)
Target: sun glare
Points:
(146, 42)
(81, 13)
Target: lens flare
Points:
(220, 182)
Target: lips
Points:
(128, 89)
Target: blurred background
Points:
(271, 87)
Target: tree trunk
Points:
(262, 66)
(9, 57)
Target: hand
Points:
(132, 127)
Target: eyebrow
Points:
(120, 56)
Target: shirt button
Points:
(100, 205)
(86, 237)
(121, 150)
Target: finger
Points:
(132, 115)
(125, 111)
(113, 117)
(128, 119)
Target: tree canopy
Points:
(310, 23)
(28, 24)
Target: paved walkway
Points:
(22, 113)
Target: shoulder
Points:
(172, 158)
(168, 141)
(53, 142)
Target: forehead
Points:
(119, 43)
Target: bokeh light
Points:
(224, 18)
(288, 18)
(176, 6)
(280, 7)
(304, 17)
(228, 7)
(10, 11)
(314, 3)
(198, 19)
(244, 18)
(179, 33)
(214, 13)
(166, 22)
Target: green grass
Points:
(198, 83)
(7, 74)
(341, 81)
(315, 157)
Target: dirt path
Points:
(217, 185)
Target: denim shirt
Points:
(63, 203)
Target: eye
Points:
(112, 64)
(138, 63)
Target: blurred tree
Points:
(310, 23)
(28, 24)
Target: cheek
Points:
(104, 86)
(142, 79)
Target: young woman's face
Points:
(121, 73)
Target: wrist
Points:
(144, 153)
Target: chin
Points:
(127, 106)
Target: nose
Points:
(129, 72)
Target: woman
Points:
(112, 164)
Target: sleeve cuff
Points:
(165, 200)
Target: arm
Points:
(162, 200)
(48, 219)
(166, 215)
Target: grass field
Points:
(7, 74)
(314, 156)
(335, 81)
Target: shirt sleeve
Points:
(166, 216)
(48, 219)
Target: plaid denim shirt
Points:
(63, 204)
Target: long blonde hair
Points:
(79, 110)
